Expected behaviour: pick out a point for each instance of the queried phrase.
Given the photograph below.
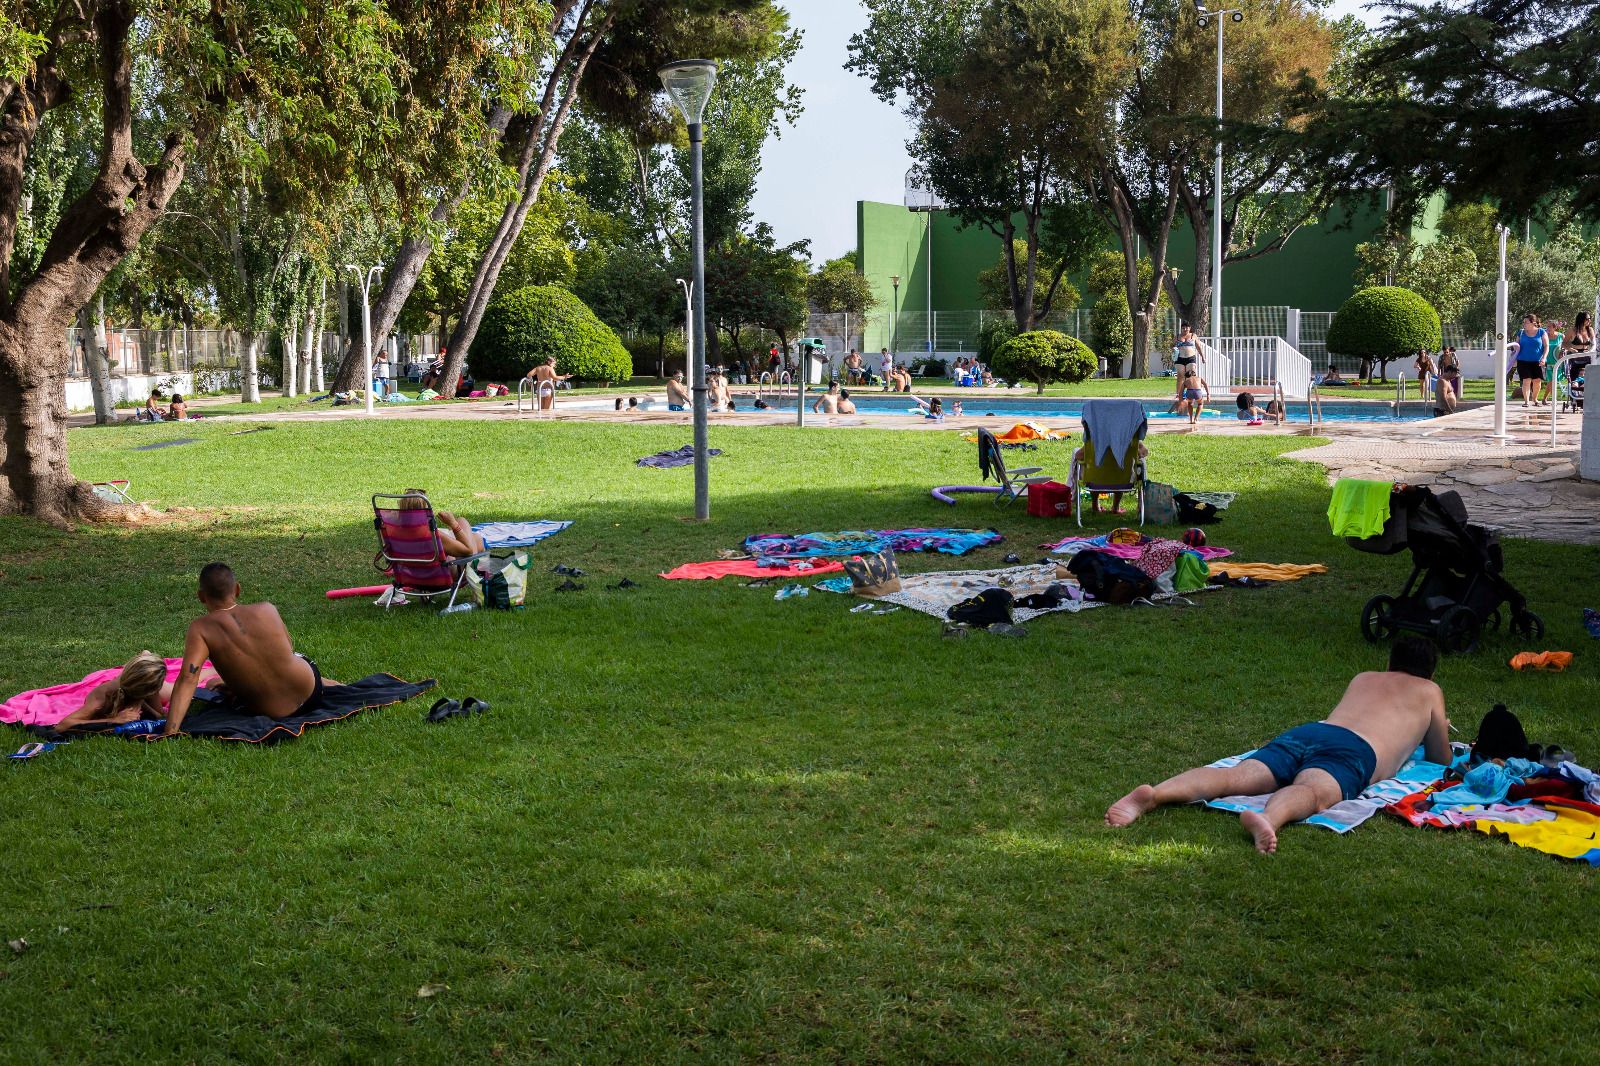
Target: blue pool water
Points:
(1044, 407)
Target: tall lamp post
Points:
(689, 83)
(894, 328)
(365, 281)
(1502, 335)
(1220, 17)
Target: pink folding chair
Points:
(411, 553)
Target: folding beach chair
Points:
(410, 552)
(1013, 483)
(1125, 473)
(117, 491)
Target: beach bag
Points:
(987, 608)
(1160, 503)
(873, 574)
(501, 581)
(1192, 573)
(1049, 499)
(1107, 579)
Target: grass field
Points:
(700, 824)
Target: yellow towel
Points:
(1266, 571)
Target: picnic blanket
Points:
(679, 457)
(216, 715)
(517, 534)
(861, 541)
(1343, 817)
(1544, 819)
(1131, 552)
(936, 592)
(721, 568)
(47, 706)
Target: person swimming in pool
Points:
(1380, 721)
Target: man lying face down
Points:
(1376, 726)
(250, 648)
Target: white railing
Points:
(1218, 368)
(1266, 363)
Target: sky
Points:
(847, 145)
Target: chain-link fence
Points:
(1313, 341)
(213, 352)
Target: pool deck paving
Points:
(1522, 485)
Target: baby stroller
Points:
(1570, 383)
(1456, 587)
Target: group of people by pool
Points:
(1539, 351)
(175, 410)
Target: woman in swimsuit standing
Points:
(1185, 353)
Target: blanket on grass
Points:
(935, 593)
(517, 534)
(1131, 552)
(721, 568)
(47, 706)
(1555, 824)
(862, 541)
(679, 457)
(1343, 817)
(216, 715)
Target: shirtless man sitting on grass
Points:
(249, 646)
(1378, 724)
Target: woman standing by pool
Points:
(1185, 354)
(1552, 362)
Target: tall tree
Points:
(327, 65)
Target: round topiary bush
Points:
(1384, 323)
(522, 328)
(1044, 356)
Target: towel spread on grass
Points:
(1022, 433)
(1131, 552)
(216, 715)
(747, 568)
(936, 592)
(1556, 825)
(47, 706)
(862, 541)
(1359, 508)
(1268, 571)
(517, 534)
(680, 457)
(1343, 817)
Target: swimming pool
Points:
(1045, 407)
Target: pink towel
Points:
(750, 568)
(47, 706)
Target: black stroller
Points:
(1456, 587)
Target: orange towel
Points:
(1266, 571)
(1541, 660)
(1023, 432)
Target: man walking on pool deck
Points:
(1379, 722)
(249, 646)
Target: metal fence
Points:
(1313, 336)
(216, 353)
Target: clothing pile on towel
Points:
(863, 541)
(1345, 816)
(1171, 564)
(721, 568)
(1022, 433)
(517, 534)
(679, 457)
(936, 592)
(1553, 809)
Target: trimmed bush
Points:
(522, 328)
(1384, 323)
(1044, 356)
(1111, 330)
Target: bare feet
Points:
(1132, 807)
(1257, 826)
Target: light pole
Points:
(689, 83)
(1205, 19)
(894, 326)
(366, 320)
(688, 325)
(1502, 311)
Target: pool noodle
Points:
(368, 590)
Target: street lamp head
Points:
(689, 83)
(1203, 21)
(1237, 16)
(894, 279)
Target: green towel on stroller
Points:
(1359, 508)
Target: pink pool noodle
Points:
(368, 590)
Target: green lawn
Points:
(699, 824)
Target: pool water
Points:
(1043, 407)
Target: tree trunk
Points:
(249, 379)
(94, 360)
(291, 361)
(34, 475)
(307, 351)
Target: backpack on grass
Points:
(1109, 579)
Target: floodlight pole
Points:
(1502, 311)
(1216, 181)
(702, 461)
(366, 322)
(894, 332)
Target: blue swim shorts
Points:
(674, 406)
(1320, 746)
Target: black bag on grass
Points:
(1109, 579)
(985, 609)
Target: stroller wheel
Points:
(1492, 623)
(1527, 624)
(1377, 619)
(1457, 632)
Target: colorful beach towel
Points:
(864, 541)
(680, 457)
(747, 568)
(1131, 552)
(517, 534)
(1343, 817)
(47, 706)
(936, 592)
(1555, 825)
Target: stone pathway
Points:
(1520, 489)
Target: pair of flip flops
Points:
(445, 707)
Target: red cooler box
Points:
(1049, 499)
